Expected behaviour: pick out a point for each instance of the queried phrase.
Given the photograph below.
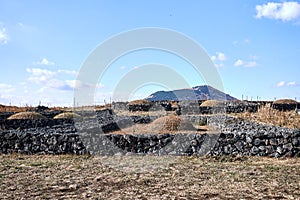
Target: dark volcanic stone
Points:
(254, 150)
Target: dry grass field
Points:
(268, 115)
(84, 177)
(151, 177)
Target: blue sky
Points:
(255, 45)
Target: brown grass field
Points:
(152, 177)
(85, 177)
(267, 115)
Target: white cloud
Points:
(3, 35)
(238, 63)
(49, 79)
(68, 72)
(245, 41)
(253, 57)
(38, 75)
(280, 84)
(218, 59)
(123, 67)
(250, 64)
(283, 83)
(292, 83)
(243, 63)
(77, 84)
(285, 11)
(6, 88)
(44, 61)
(213, 58)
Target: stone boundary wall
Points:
(235, 138)
(27, 124)
(190, 107)
(41, 141)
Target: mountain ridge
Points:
(202, 92)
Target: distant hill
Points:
(203, 92)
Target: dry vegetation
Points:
(138, 102)
(268, 115)
(83, 177)
(166, 124)
(171, 123)
(67, 115)
(4, 108)
(27, 115)
(285, 101)
(212, 103)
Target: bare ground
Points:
(85, 177)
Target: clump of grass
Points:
(138, 102)
(67, 115)
(266, 114)
(171, 123)
(27, 115)
(211, 103)
(166, 124)
(285, 101)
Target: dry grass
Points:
(27, 115)
(268, 115)
(143, 113)
(4, 108)
(285, 101)
(138, 102)
(67, 115)
(166, 124)
(210, 103)
(82, 177)
(171, 123)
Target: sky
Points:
(254, 45)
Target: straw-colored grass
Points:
(67, 115)
(268, 115)
(166, 124)
(139, 102)
(285, 101)
(171, 123)
(27, 115)
(211, 103)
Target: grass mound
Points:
(211, 103)
(166, 124)
(139, 102)
(67, 115)
(285, 101)
(27, 115)
(170, 124)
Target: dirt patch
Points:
(83, 177)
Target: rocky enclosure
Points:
(233, 137)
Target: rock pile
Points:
(55, 140)
(249, 138)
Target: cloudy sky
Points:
(255, 45)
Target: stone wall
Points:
(249, 138)
(286, 107)
(236, 137)
(55, 140)
(27, 123)
(190, 107)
